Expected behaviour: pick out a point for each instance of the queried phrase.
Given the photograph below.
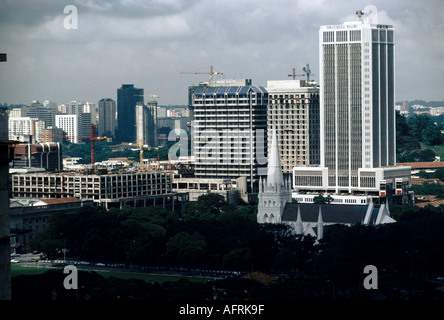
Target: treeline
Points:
(411, 132)
(211, 234)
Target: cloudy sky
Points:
(150, 42)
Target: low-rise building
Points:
(30, 216)
(108, 188)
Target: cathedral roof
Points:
(331, 213)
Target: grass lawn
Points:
(17, 270)
(439, 149)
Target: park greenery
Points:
(211, 234)
(417, 137)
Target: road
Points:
(33, 260)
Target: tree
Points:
(320, 199)
(431, 135)
(186, 248)
(207, 206)
(424, 128)
(238, 259)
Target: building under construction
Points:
(108, 188)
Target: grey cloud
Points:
(149, 43)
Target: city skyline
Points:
(150, 44)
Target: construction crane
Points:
(294, 75)
(211, 73)
(307, 73)
(153, 96)
(91, 138)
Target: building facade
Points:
(229, 122)
(44, 155)
(127, 99)
(357, 103)
(43, 111)
(69, 124)
(294, 111)
(146, 124)
(84, 119)
(26, 129)
(109, 189)
(107, 122)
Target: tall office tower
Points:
(69, 124)
(127, 99)
(229, 122)
(357, 101)
(293, 110)
(146, 124)
(107, 117)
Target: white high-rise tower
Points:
(357, 109)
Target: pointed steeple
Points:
(260, 185)
(298, 227)
(320, 225)
(274, 168)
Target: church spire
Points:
(274, 168)
(320, 225)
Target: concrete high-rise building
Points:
(357, 104)
(229, 122)
(293, 110)
(127, 99)
(146, 124)
(107, 117)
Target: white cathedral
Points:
(275, 205)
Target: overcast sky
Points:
(149, 44)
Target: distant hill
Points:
(432, 104)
